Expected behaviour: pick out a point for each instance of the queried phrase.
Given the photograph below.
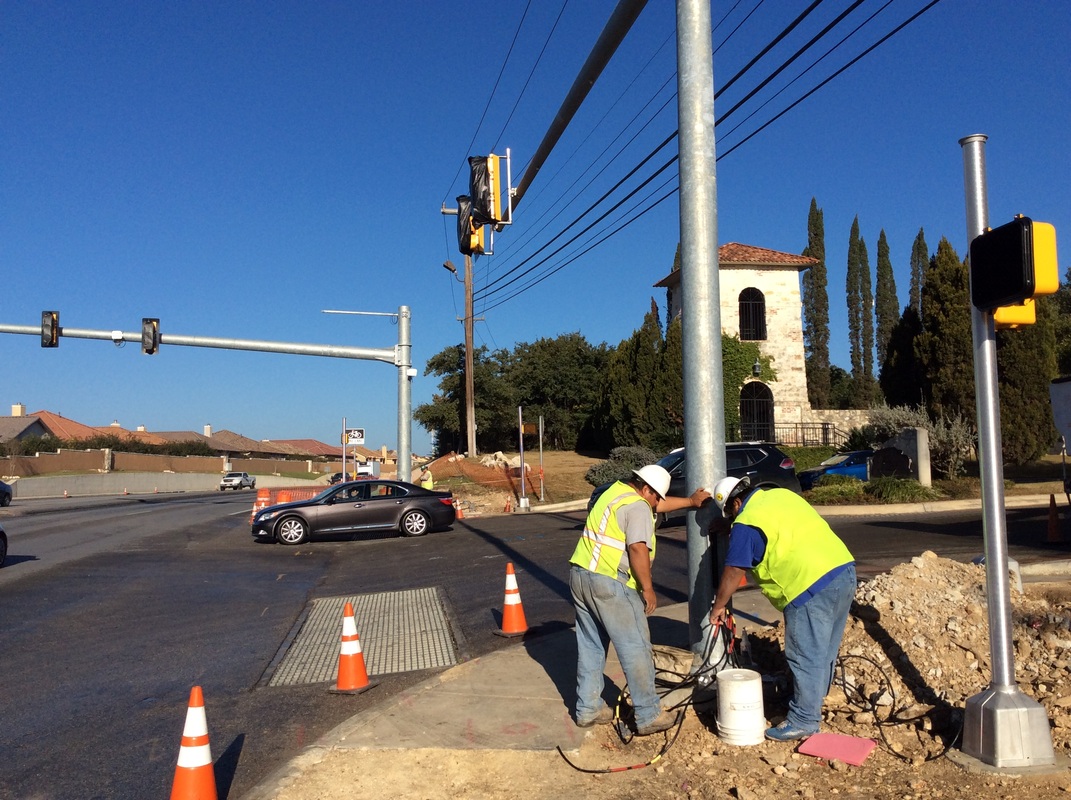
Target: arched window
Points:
(752, 315)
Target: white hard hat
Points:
(728, 488)
(656, 477)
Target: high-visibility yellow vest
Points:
(800, 545)
(602, 545)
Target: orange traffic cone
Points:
(457, 508)
(352, 675)
(1054, 522)
(509, 506)
(194, 777)
(513, 621)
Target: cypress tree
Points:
(853, 295)
(920, 256)
(901, 377)
(944, 348)
(865, 387)
(816, 311)
(886, 304)
(1026, 362)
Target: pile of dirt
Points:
(915, 648)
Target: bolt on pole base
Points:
(1005, 728)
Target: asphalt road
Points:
(110, 614)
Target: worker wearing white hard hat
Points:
(613, 591)
(805, 571)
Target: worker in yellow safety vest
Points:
(805, 571)
(427, 480)
(612, 589)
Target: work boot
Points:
(662, 722)
(604, 717)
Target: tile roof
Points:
(123, 433)
(182, 436)
(734, 254)
(63, 428)
(309, 446)
(235, 442)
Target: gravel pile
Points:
(917, 646)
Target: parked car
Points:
(336, 478)
(5, 494)
(237, 480)
(3, 546)
(855, 464)
(766, 465)
(367, 505)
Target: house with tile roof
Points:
(761, 303)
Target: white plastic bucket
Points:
(741, 720)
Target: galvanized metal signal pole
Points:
(1001, 725)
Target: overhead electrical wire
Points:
(485, 292)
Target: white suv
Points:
(237, 480)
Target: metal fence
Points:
(796, 434)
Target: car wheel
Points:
(3, 551)
(414, 523)
(5, 499)
(660, 520)
(292, 530)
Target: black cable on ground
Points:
(894, 716)
(623, 704)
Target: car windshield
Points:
(672, 460)
(839, 458)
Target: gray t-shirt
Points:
(637, 522)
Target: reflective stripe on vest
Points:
(800, 545)
(602, 545)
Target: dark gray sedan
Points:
(5, 494)
(346, 508)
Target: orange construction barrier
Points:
(352, 675)
(1054, 522)
(194, 777)
(513, 621)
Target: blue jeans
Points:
(609, 611)
(812, 641)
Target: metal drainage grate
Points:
(400, 632)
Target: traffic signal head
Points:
(1013, 263)
(150, 335)
(49, 329)
(485, 189)
(469, 234)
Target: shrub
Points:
(899, 490)
(831, 490)
(806, 457)
(622, 461)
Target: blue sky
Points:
(236, 168)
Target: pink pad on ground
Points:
(849, 749)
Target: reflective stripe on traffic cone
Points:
(513, 621)
(352, 675)
(194, 777)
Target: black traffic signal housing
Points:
(1013, 264)
(50, 329)
(150, 335)
(485, 190)
(469, 234)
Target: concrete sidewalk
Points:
(517, 698)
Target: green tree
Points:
(860, 318)
(1026, 363)
(667, 395)
(1061, 302)
(901, 376)
(944, 347)
(628, 388)
(920, 257)
(557, 379)
(495, 403)
(886, 306)
(816, 311)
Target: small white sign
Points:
(355, 436)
